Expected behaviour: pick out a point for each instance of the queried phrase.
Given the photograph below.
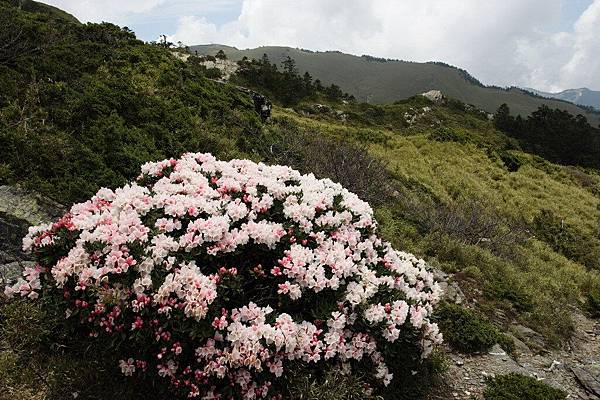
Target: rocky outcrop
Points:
(434, 95)
(451, 291)
(20, 209)
(574, 369)
(262, 105)
(414, 115)
(323, 110)
(227, 67)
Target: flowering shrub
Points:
(217, 276)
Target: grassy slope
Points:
(386, 82)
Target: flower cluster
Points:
(223, 274)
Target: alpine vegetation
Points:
(216, 279)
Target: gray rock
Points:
(529, 336)
(496, 350)
(434, 95)
(520, 346)
(439, 275)
(12, 271)
(454, 294)
(590, 382)
(20, 209)
(451, 291)
(24, 205)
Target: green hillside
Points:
(37, 7)
(379, 81)
(517, 234)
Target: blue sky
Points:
(545, 44)
(572, 9)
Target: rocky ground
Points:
(575, 368)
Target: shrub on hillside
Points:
(468, 331)
(516, 387)
(511, 162)
(347, 164)
(218, 278)
(444, 134)
(593, 303)
(469, 221)
(567, 240)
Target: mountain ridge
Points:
(580, 96)
(378, 80)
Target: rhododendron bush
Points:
(217, 277)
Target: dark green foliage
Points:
(403, 361)
(331, 384)
(518, 387)
(287, 86)
(37, 7)
(555, 135)
(567, 240)
(503, 120)
(507, 291)
(221, 55)
(83, 106)
(52, 358)
(468, 331)
(593, 303)
(510, 161)
(444, 134)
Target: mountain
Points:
(582, 96)
(376, 80)
(42, 8)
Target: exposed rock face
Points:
(575, 370)
(434, 95)
(532, 338)
(227, 67)
(323, 110)
(452, 292)
(590, 382)
(181, 56)
(20, 209)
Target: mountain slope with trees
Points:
(376, 80)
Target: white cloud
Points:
(105, 10)
(502, 42)
(565, 59)
(508, 42)
(584, 64)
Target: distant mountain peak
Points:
(580, 96)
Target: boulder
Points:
(434, 95)
(451, 291)
(590, 382)
(20, 209)
(531, 338)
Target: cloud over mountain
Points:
(546, 44)
(512, 42)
